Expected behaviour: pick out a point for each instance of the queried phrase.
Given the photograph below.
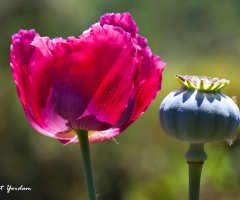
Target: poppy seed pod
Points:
(199, 112)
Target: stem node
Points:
(195, 156)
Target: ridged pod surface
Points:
(199, 112)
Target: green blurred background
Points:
(192, 37)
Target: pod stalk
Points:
(195, 171)
(195, 156)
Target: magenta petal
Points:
(148, 84)
(120, 126)
(90, 123)
(113, 93)
(99, 82)
(20, 56)
(120, 20)
(83, 85)
(149, 80)
(35, 124)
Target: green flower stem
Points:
(194, 180)
(195, 157)
(87, 166)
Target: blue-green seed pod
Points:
(199, 112)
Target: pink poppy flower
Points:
(100, 81)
